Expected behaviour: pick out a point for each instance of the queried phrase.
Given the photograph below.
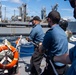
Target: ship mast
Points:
(14, 12)
(43, 13)
(24, 12)
(0, 11)
(5, 14)
(55, 7)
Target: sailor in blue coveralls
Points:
(69, 58)
(36, 36)
(55, 40)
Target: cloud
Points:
(67, 13)
(4, 0)
(27, 0)
(16, 1)
(9, 8)
(68, 10)
(33, 12)
(3, 6)
(38, 0)
(68, 17)
(9, 11)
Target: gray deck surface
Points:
(26, 60)
(23, 61)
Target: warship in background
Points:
(20, 25)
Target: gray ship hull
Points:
(24, 28)
(18, 28)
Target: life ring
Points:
(15, 58)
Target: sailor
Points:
(64, 24)
(55, 42)
(73, 5)
(69, 58)
(36, 36)
(74, 13)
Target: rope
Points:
(52, 66)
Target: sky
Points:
(34, 7)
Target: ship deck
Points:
(23, 62)
(26, 61)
